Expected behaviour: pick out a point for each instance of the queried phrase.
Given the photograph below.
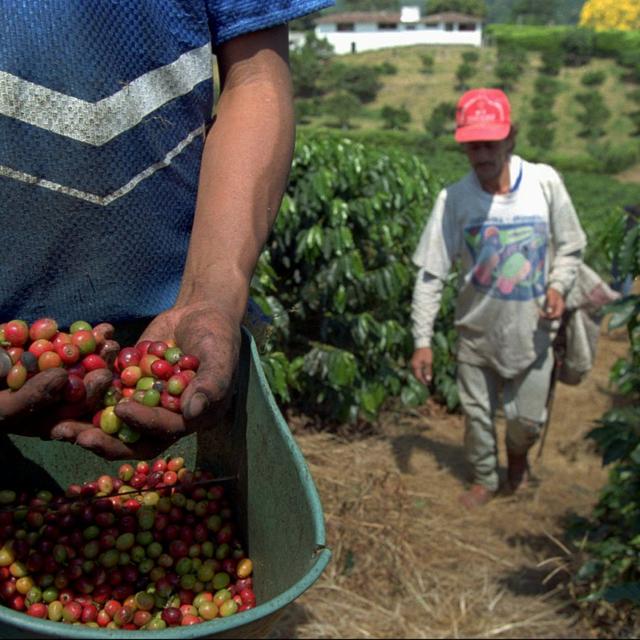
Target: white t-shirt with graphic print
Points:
(509, 248)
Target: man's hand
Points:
(200, 330)
(421, 365)
(554, 305)
(39, 407)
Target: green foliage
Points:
(611, 536)
(540, 132)
(308, 63)
(395, 118)
(470, 57)
(386, 69)
(360, 80)
(578, 46)
(442, 120)
(564, 11)
(470, 7)
(368, 5)
(305, 109)
(529, 37)
(341, 107)
(510, 63)
(551, 61)
(593, 78)
(599, 199)
(594, 114)
(507, 74)
(613, 159)
(544, 85)
(533, 11)
(464, 72)
(337, 277)
(540, 135)
(427, 61)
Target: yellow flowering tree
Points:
(611, 14)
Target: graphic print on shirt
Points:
(508, 258)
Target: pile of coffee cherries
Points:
(154, 373)
(153, 547)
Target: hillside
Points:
(419, 92)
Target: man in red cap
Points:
(511, 229)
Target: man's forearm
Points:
(563, 273)
(245, 166)
(425, 305)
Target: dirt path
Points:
(407, 562)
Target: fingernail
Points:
(198, 405)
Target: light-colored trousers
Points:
(524, 403)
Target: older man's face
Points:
(488, 158)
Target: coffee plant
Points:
(337, 280)
(607, 584)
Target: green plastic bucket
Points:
(273, 492)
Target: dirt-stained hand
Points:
(200, 330)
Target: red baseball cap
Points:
(483, 114)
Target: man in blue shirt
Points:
(124, 198)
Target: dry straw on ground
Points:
(408, 562)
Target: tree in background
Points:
(595, 114)
(368, 5)
(578, 46)
(308, 64)
(533, 11)
(634, 96)
(360, 80)
(471, 7)
(442, 120)
(341, 107)
(551, 61)
(510, 64)
(427, 61)
(593, 78)
(395, 117)
(611, 14)
(564, 11)
(464, 72)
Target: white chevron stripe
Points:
(21, 176)
(96, 123)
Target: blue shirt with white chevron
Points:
(103, 109)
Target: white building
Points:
(355, 31)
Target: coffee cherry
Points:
(16, 377)
(74, 390)
(16, 332)
(45, 328)
(84, 340)
(49, 360)
(161, 369)
(109, 421)
(189, 362)
(93, 361)
(130, 375)
(41, 346)
(79, 325)
(157, 348)
(69, 353)
(30, 362)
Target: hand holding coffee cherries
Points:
(201, 331)
(39, 367)
(106, 397)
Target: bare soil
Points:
(409, 562)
